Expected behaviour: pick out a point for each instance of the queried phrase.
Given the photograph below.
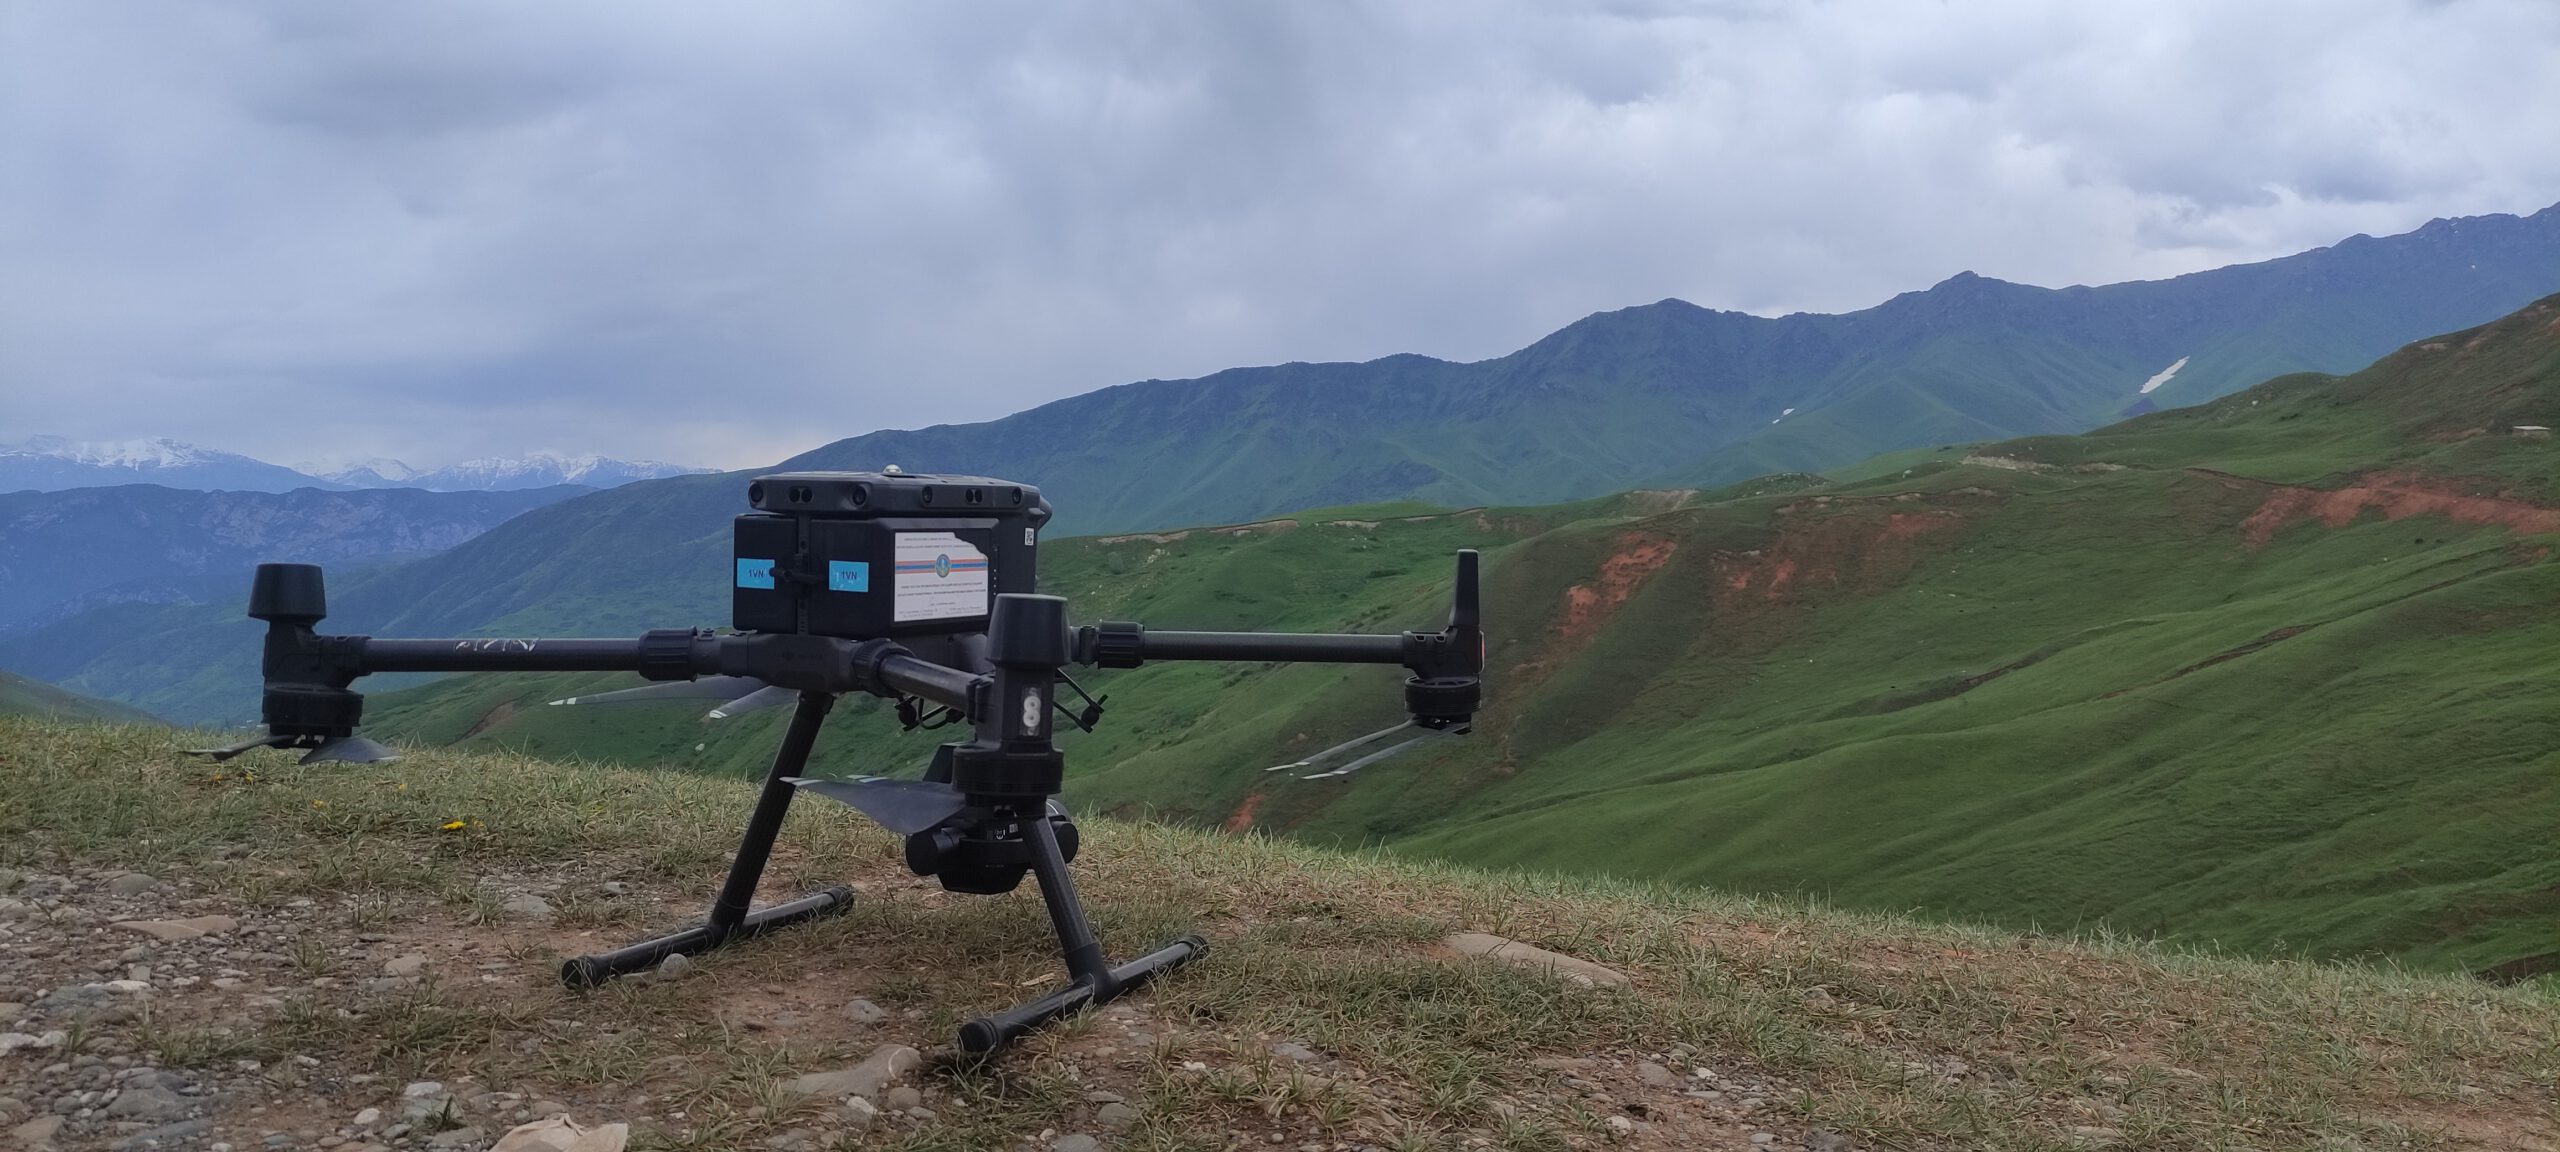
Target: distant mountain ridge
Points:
(1661, 395)
(508, 473)
(54, 464)
(65, 552)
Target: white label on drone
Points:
(939, 576)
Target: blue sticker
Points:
(755, 573)
(848, 576)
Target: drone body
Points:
(917, 588)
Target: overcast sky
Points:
(724, 233)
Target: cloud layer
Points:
(723, 233)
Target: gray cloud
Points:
(725, 233)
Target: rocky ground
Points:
(121, 990)
(228, 959)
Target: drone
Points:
(915, 588)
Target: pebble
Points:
(1115, 1116)
(407, 965)
(902, 1099)
(674, 966)
(865, 1012)
(368, 1118)
(1764, 1139)
(857, 1113)
(529, 906)
(1289, 1050)
(132, 884)
(463, 1137)
(1825, 1140)
(1657, 1075)
(166, 1135)
(1076, 1142)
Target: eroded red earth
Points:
(2396, 495)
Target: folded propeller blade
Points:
(1381, 754)
(350, 750)
(1338, 749)
(771, 696)
(706, 688)
(905, 807)
(220, 754)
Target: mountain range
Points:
(62, 553)
(2278, 672)
(52, 464)
(1667, 395)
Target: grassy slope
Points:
(1898, 1033)
(20, 696)
(2041, 696)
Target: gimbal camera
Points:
(911, 587)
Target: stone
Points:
(1570, 969)
(1656, 1075)
(424, 1101)
(1115, 1116)
(408, 965)
(528, 906)
(1076, 1142)
(368, 1118)
(1622, 1126)
(857, 1113)
(180, 929)
(12, 1041)
(866, 1079)
(546, 1108)
(1291, 1050)
(148, 1104)
(164, 1136)
(128, 987)
(1826, 1140)
(674, 967)
(865, 1012)
(37, 1131)
(902, 1099)
(132, 884)
(463, 1137)
(560, 1134)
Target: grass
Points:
(1899, 1032)
(2105, 681)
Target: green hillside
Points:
(2280, 672)
(20, 696)
(1663, 395)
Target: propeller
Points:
(1357, 742)
(706, 688)
(328, 750)
(741, 695)
(905, 807)
(770, 696)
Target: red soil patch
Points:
(1830, 552)
(2396, 495)
(1242, 821)
(1588, 606)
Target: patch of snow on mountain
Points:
(156, 452)
(2164, 376)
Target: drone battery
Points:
(863, 555)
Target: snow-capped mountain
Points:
(51, 463)
(540, 470)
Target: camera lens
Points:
(755, 493)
